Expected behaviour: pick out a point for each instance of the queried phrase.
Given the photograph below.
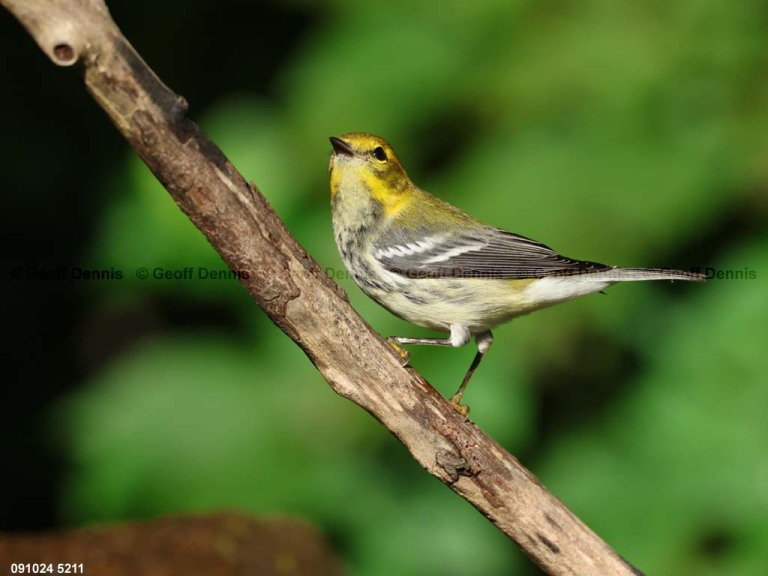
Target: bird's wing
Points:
(483, 253)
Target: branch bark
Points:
(298, 297)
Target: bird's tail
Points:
(634, 274)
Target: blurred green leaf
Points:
(682, 461)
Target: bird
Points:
(433, 265)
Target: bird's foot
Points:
(462, 409)
(405, 356)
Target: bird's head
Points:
(365, 164)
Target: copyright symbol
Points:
(142, 273)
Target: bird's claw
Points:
(405, 356)
(462, 409)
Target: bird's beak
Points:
(341, 147)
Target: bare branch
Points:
(300, 299)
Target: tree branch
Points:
(300, 299)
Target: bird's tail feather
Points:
(636, 274)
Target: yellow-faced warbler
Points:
(429, 263)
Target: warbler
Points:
(436, 266)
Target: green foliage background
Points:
(629, 133)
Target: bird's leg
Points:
(459, 337)
(484, 341)
(396, 341)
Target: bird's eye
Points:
(379, 154)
